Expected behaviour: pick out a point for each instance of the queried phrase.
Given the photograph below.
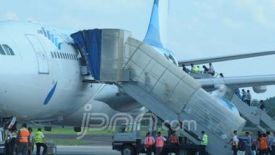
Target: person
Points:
(273, 144)
(269, 139)
(11, 141)
(263, 144)
(205, 69)
(235, 143)
(149, 143)
(254, 148)
(186, 70)
(237, 92)
(39, 139)
(174, 141)
(31, 142)
(160, 140)
(248, 97)
(211, 69)
(181, 134)
(248, 143)
(23, 140)
(262, 106)
(244, 95)
(204, 142)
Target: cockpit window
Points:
(8, 50)
(2, 52)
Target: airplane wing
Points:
(238, 82)
(225, 58)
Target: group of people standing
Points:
(22, 142)
(246, 96)
(197, 69)
(157, 144)
(263, 145)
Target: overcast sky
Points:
(197, 28)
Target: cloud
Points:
(10, 16)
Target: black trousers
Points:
(203, 151)
(149, 150)
(22, 148)
(175, 148)
(38, 148)
(264, 152)
(10, 146)
(235, 150)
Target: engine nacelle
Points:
(259, 89)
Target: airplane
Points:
(42, 74)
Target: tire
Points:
(128, 150)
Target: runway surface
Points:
(86, 150)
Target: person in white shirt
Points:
(235, 143)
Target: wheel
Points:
(128, 150)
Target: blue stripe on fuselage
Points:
(50, 94)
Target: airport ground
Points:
(94, 143)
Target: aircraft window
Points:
(8, 50)
(58, 55)
(70, 56)
(2, 52)
(52, 55)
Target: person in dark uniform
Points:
(174, 142)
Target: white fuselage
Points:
(42, 80)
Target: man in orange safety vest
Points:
(160, 140)
(23, 140)
(149, 143)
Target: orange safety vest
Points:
(149, 141)
(263, 143)
(159, 142)
(174, 139)
(24, 135)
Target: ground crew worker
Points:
(174, 141)
(159, 143)
(31, 142)
(11, 141)
(248, 143)
(23, 140)
(263, 144)
(149, 143)
(204, 142)
(39, 140)
(235, 143)
(211, 69)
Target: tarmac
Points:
(86, 150)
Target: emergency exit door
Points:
(41, 57)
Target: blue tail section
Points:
(153, 33)
(156, 32)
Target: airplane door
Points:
(41, 57)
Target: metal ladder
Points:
(151, 79)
